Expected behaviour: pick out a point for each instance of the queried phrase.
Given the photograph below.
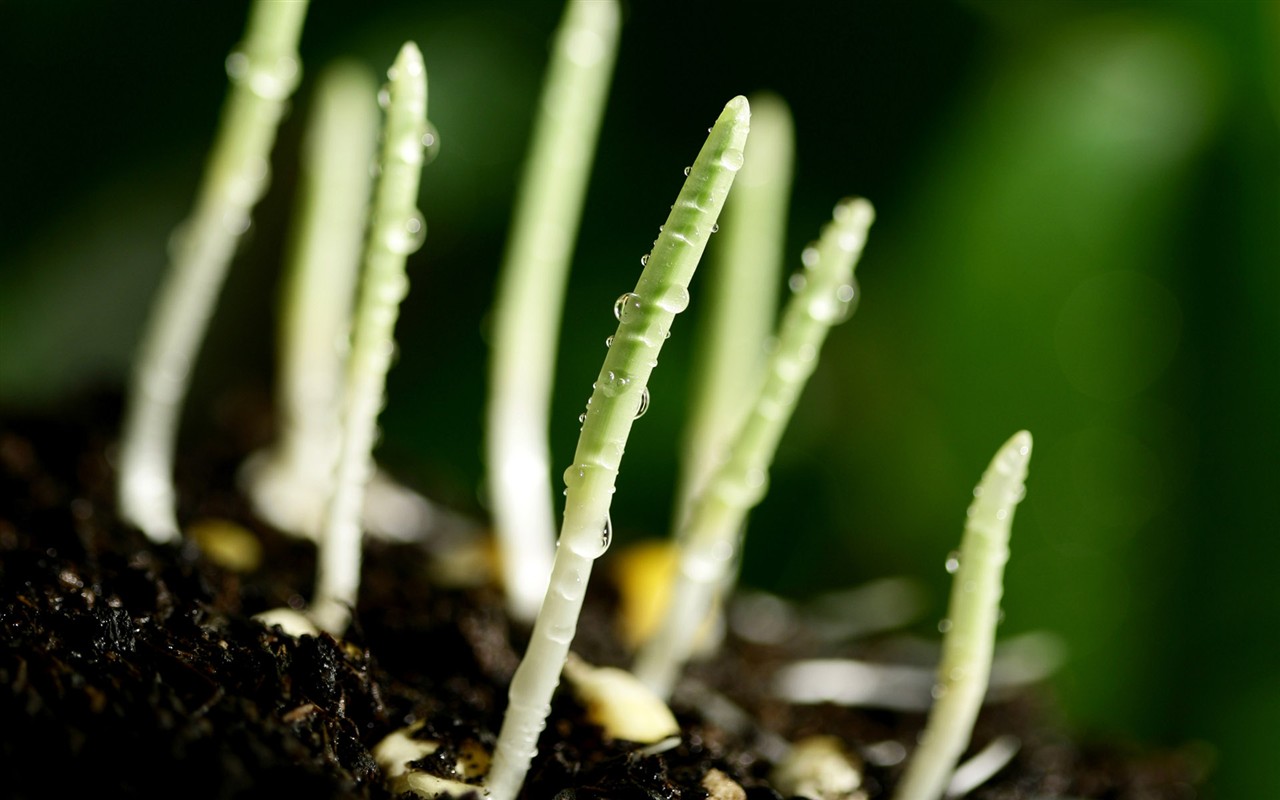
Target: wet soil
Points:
(135, 670)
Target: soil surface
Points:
(135, 670)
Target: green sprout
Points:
(289, 482)
(970, 625)
(264, 70)
(396, 229)
(740, 298)
(619, 395)
(710, 538)
(530, 296)
(728, 450)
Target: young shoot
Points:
(396, 229)
(289, 484)
(973, 614)
(620, 392)
(709, 540)
(530, 297)
(741, 296)
(264, 70)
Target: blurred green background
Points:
(1078, 233)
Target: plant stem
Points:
(973, 614)
(264, 70)
(710, 540)
(645, 318)
(741, 300)
(530, 296)
(289, 483)
(396, 230)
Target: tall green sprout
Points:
(972, 617)
(530, 296)
(741, 297)
(618, 395)
(709, 539)
(396, 229)
(289, 483)
(264, 70)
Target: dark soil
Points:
(129, 669)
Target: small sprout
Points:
(289, 484)
(974, 612)
(396, 230)
(530, 296)
(263, 71)
(621, 705)
(819, 768)
(644, 320)
(709, 539)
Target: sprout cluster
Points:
(316, 480)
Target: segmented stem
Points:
(289, 484)
(973, 614)
(264, 70)
(396, 230)
(710, 540)
(530, 296)
(645, 318)
(741, 298)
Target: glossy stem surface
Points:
(645, 316)
(264, 70)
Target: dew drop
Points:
(582, 418)
(809, 257)
(625, 307)
(797, 282)
(430, 143)
(687, 170)
(409, 150)
(384, 97)
(644, 259)
(236, 221)
(944, 625)
(731, 160)
(938, 691)
(573, 476)
(953, 562)
(675, 300)
(237, 65)
(608, 342)
(825, 308)
(615, 383)
(715, 228)
(408, 237)
(606, 535)
(644, 403)
(393, 289)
